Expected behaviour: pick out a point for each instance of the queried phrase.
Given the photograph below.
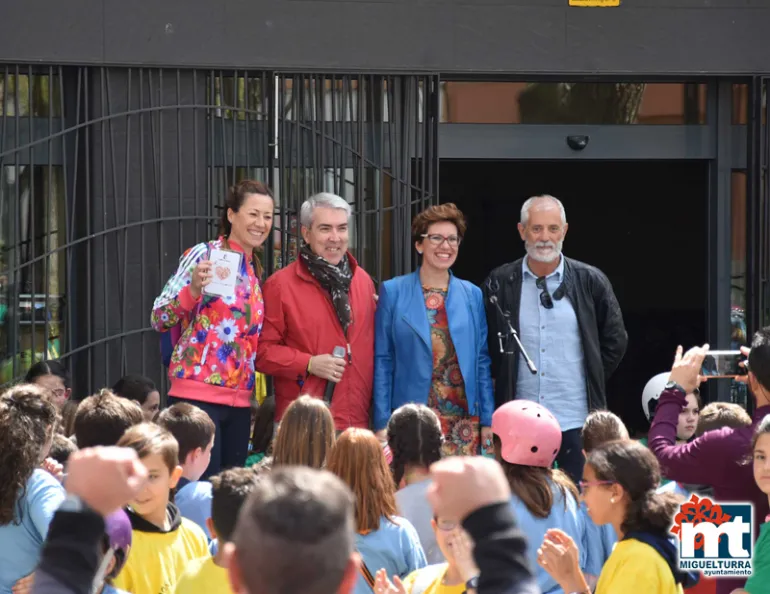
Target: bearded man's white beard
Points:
(544, 251)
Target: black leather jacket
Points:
(600, 320)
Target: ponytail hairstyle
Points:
(235, 199)
(27, 420)
(634, 467)
(48, 367)
(414, 438)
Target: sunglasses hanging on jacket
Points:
(546, 300)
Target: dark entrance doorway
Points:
(643, 223)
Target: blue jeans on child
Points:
(231, 442)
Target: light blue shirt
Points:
(21, 544)
(194, 503)
(552, 340)
(412, 502)
(564, 517)
(394, 546)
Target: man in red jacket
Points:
(321, 301)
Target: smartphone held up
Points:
(723, 364)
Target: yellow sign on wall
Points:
(594, 2)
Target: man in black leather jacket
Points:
(569, 321)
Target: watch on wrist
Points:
(473, 583)
(675, 386)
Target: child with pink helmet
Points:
(527, 439)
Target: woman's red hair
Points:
(357, 458)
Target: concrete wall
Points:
(674, 37)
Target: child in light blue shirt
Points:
(29, 496)
(194, 431)
(394, 547)
(384, 540)
(194, 503)
(600, 427)
(527, 439)
(415, 439)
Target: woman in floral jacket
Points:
(212, 365)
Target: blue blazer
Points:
(403, 351)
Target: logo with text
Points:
(715, 539)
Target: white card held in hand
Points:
(225, 267)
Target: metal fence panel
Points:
(108, 174)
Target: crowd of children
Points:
(607, 534)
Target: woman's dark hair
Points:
(264, 425)
(414, 438)
(134, 387)
(27, 419)
(634, 467)
(235, 199)
(50, 367)
(534, 484)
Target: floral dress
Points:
(462, 432)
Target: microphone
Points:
(512, 332)
(338, 353)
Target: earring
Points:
(612, 500)
(419, 252)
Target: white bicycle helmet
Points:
(652, 392)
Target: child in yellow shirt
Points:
(164, 542)
(229, 491)
(619, 486)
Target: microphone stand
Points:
(511, 334)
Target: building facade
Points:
(122, 125)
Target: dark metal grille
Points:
(108, 174)
(758, 207)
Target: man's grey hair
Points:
(296, 533)
(322, 200)
(531, 201)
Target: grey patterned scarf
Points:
(335, 279)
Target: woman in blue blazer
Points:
(431, 340)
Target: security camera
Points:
(577, 143)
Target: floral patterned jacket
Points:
(213, 360)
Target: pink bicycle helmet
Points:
(529, 434)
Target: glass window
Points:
(573, 103)
(738, 214)
(738, 276)
(244, 94)
(25, 95)
(32, 267)
(741, 104)
(323, 99)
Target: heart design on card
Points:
(222, 272)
